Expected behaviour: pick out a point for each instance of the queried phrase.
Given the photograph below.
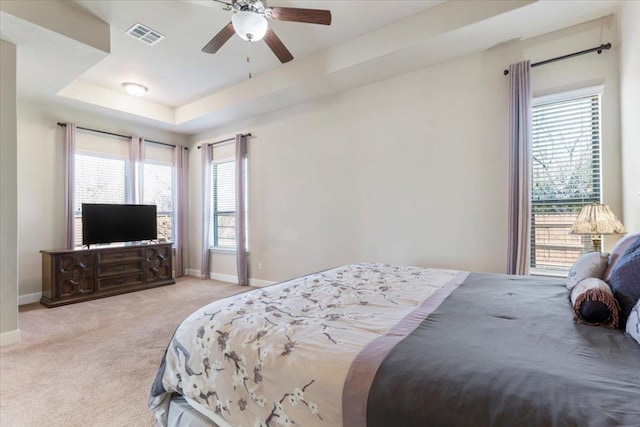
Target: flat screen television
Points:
(108, 223)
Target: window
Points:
(100, 178)
(223, 205)
(103, 174)
(158, 190)
(565, 176)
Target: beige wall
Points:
(62, 17)
(630, 112)
(8, 197)
(411, 170)
(41, 222)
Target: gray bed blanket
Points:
(504, 351)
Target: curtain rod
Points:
(223, 141)
(61, 124)
(598, 49)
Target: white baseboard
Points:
(229, 278)
(29, 298)
(258, 283)
(190, 272)
(224, 277)
(8, 338)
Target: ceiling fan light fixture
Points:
(134, 89)
(250, 26)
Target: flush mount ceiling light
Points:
(250, 26)
(134, 89)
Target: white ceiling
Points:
(190, 91)
(177, 72)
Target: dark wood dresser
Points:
(74, 275)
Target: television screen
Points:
(104, 223)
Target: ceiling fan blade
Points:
(276, 45)
(311, 16)
(219, 39)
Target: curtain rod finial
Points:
(604, 47)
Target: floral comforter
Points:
(280, 355)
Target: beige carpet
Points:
(92, 363)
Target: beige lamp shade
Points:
(596, 219)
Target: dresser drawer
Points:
(119, 256)
(118, 281)
(119, 269)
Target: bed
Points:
(382, 345)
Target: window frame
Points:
(128, 183)
(102, 155)
(212, 219)
(173, 191)
(558, 98)
(77, 213)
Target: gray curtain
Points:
(206, 209)
(519, 168)
(180, 206)
(242, 258)
(70, 181)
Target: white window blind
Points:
(157, 189)
(100, 178)
(566, 174)
(223, 205)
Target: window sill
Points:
(223, 250)
(547, 273)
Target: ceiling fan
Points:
(249, 21)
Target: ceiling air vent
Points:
(145, 34)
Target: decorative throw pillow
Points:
(625, 281)
(594, 304)
(633, 323)
(616, 252)
(592, 264)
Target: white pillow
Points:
(592, 264)
(633, 323)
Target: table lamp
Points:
(595, 220)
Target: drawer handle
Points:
(121, 281)
(118, 256)
(120, 268)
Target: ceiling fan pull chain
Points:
(249, 59)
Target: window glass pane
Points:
(102, 170)
(223, 205)
(99, 179)
(565, 177)
(226, 230)
(158, 190)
